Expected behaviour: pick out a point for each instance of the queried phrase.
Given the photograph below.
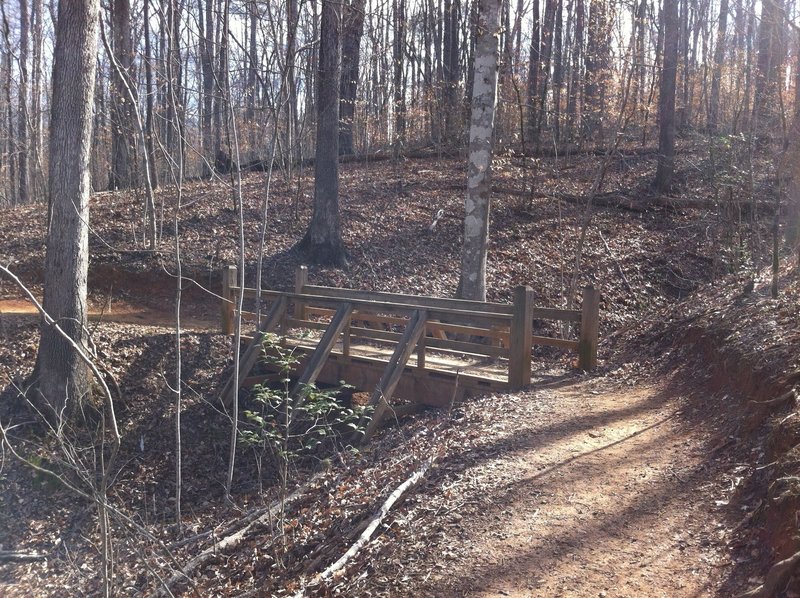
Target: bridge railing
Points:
(483, 329)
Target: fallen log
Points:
(10, 556)
(230, 542)
(373, 524)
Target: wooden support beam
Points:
(250, 357)
(321, 353)
(394, 369)
(590, 325)
(227, 307)
(519, 359)
(300, 282)
(346, 339)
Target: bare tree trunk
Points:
(768, 65)
(353, 22)
(558, 71)
(398, 51)
(719, 59)
(472, 283)
(123, 144)
(149, 94)
(206, 20)
(292, 121)
(322, 242)
(597, 57)
(36, 175)
(533, 77)
(576, 81)
(9, 116)
(451, 73)
(23, 193)
(666, 102)
(548, 28)
(61, 374)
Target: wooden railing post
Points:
(300, 281)
(227, 307)
(519, 357)
(590, 325)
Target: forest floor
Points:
(664, 473)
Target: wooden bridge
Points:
(425, 350)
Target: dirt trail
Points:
(588, 492)
(121, 312)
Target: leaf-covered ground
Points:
(633, 482)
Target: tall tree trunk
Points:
(796, 118)
(768, 65)
(149, 94)
(252, 64)
(472, 283)
(573, 101)
(175, 113)
(641, 63)
(206, 21)
(353, 22)
(398, 51)
(533, 76)
(23, 193)
(9, 116)
(292, 120)
(719, 59)
(62, 376)
(597, 50)
(682, 111)
(548, 28)
(322, 242)
(666, 101)
(123, 127)
(558, 70)
(451, 72)
(36, 175)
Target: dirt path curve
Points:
(587, 491)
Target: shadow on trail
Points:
(582, 537)
(541, 437)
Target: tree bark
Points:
(23, 192)
(472, 284)
(123, 126)
(533, 77)
(149, 91)
(353, 20)
(9, 115)
(597, 66)
(35, 174)
(768, 65)
(322, 242)
(62, 376)
(666, 101)
(451, 73)
(575, 86)
(398, 51)
(206, 21)
(719, 59)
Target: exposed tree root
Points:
(777, 577)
